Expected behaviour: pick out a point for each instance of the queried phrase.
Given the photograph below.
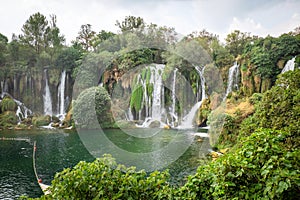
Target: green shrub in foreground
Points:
(104, 179)
(262, 167)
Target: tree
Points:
(236, 41)
(85, 37)
(131, 23)
(53, 38)
(35, 32)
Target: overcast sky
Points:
(260, 17)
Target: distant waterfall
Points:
(233, 76)
(47, 96)
(289, 66)
(22, 111)
(61, 95)
(188, 120)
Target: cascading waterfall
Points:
(233, 75)
(187, 121)
(289, 66)
(22, 111)
(173, 108)
(154, 106)
(61, 95)
(47, 97)
(157, 101)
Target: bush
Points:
(261, 167)
(84, 111)
(104, 179)
(8, 104)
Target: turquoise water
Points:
(58, 149)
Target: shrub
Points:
(8, 104)
(104, 179)
(261, 167)
(84, 111)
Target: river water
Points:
(59, 149)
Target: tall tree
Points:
(131, 23)
(35, 31)
(53, 39)
(236, 41)
(85, 37)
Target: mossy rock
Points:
(281, 63)
(8, 119)
(8, 104)
(203, 112)
(41, 120)
(155, 124)
(55, 119)
(125, 124)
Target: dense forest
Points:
(259, 137)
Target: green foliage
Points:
(264, 53)
(8, 119)
(91, 100)
(137, 97)
(280, 106)
(8, 104)
(41, 120)
(131, 23)
(104, 179)
(134, 58)
(236, 41)
(261, 167)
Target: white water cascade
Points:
(22, 111)
(233, 76)
(158, 94)
(188, 120)
(289, 66)
(47, 97)
(154, 106)
(173, 108)
(61, 96)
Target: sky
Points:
(221, 17)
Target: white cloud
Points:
(247, 25)
(259, 17)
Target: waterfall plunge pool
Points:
(59, 149)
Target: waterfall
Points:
(47, 97)
(22, 111)
(289, 66)
(61, 95)
(154, 105)
(187, 121)
(233, 75)
(157, 102)
(202, 79)
(173, 108)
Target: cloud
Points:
(256, 16)
(247, 25)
